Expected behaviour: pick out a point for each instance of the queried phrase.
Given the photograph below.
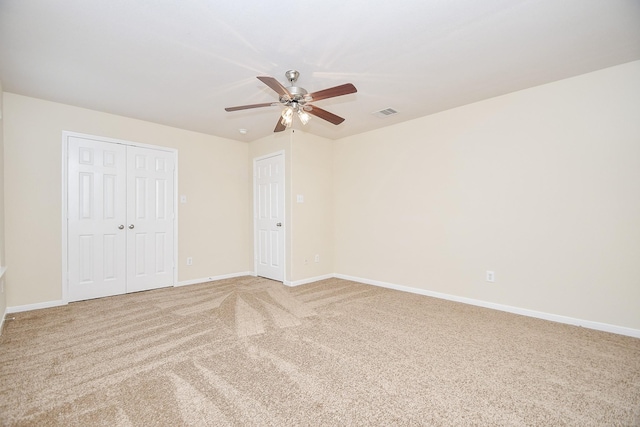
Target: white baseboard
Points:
(605, 327)
(36, 306)
(212, 278)
(309, 280)
(621, 330)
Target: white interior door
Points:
(120, 218)
(150, 214)
(269, 213)
(96, 216)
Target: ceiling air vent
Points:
(385, 113)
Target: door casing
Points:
(65, 245)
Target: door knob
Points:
(279, 224)
(121, 226)
(131, 226)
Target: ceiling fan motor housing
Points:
(298, 95)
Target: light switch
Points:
(300, 198)
(183, 199)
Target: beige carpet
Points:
(251, 352)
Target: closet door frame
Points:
(65, 166)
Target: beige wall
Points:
(541, 186)
(212, 174)
(309, 225)
(312, 220)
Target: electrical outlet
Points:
(189, 261)
(317, 258)
(491, 276)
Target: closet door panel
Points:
(150, 218)
(96, 213)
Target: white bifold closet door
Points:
(120, 218)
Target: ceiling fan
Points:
(296, 101)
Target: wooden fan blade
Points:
(275, 85)
(279, 126)
(344, 89)
(324, 114)
(246, 107)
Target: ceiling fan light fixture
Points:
(303, 116)
(287, 116)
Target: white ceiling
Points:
(180, 62)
